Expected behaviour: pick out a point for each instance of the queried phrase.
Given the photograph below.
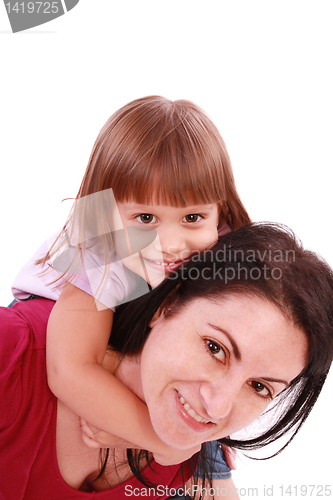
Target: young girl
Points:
(156, 164)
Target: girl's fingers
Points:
(230, 456)
(87, 435)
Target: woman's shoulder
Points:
(27, 407)
(22, 336)
(30, 316)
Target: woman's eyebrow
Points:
(231, 340)
(268, 379)
(238, 354)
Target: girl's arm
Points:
(77, 339)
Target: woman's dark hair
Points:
(268, 261)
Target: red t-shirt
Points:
(28, 412)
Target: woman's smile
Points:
(191, 412)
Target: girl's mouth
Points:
(164, 266)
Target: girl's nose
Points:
(171, 240)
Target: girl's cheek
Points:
(213, 238)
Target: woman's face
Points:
(212, 368)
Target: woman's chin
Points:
(179, 442)
(178, 429)
(175, 437)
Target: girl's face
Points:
(181, 232)
(212, 368)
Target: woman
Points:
(208, 351)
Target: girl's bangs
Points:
(171, 177)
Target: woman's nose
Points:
(219, 399)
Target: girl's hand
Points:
(96, 438)
(230, 456)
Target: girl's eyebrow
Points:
(194, 208)
(135, 207)
(208, 206)
(231, 340)
(138, 207)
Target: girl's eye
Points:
(216, 350)
(192, 218)
(260, 389)
(146, 218)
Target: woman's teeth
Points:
(191, 412)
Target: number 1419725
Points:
(315, 490)
(33, 7)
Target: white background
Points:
(261, 69)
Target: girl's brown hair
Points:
(152, 150)
(167, 152)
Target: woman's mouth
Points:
(191, 412)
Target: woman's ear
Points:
(158, 316)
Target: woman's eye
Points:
(216, 350)
(146, 218)
(260, 389)
(192, 218)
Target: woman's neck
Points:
(129, 373)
